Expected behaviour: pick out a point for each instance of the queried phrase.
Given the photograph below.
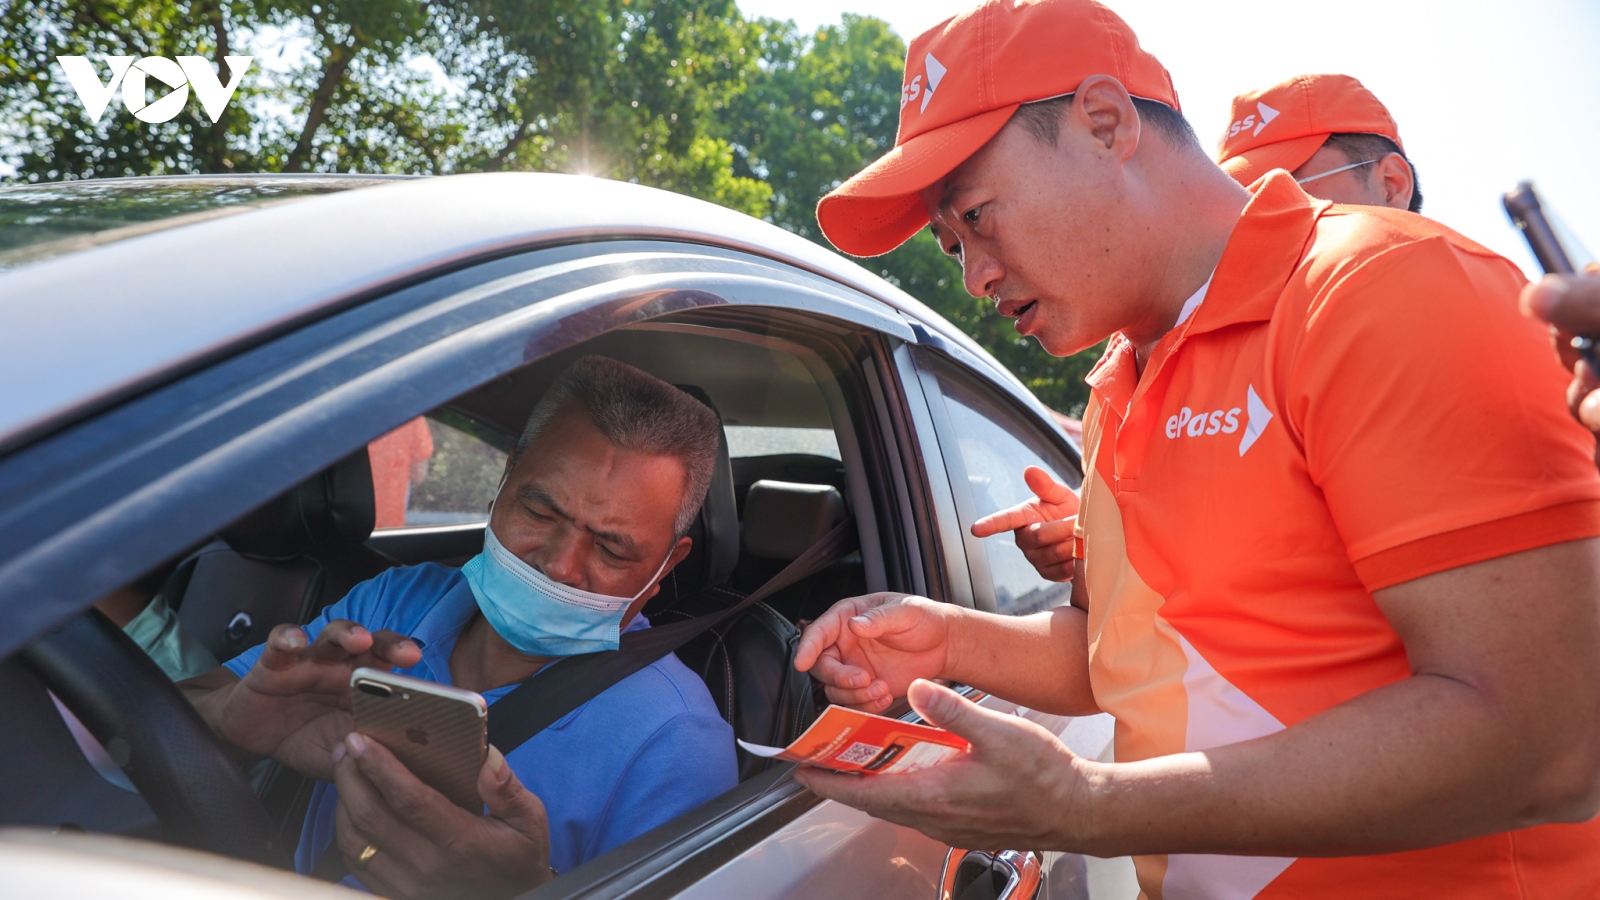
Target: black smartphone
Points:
(1527, 213)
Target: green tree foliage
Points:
(685, 95)
(818, 109)
(50, 136)
(627, 89)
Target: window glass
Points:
(996, 444)
(439, 469)
(762, 440)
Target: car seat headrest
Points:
(715, 531)
(782, 519)
(332, 509)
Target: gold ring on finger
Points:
(367, 853)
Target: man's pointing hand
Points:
(1043, 525)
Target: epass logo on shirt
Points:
(1188, 423)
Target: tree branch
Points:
(339, 59)
(498, 161)
(216, 150)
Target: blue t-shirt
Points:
(650, 747)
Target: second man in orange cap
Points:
(1335, 565)
(1330, 132)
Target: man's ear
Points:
(1393, 176)
(680, 550)
(1103, 108)
(679, 553)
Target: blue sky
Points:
(1486, 92)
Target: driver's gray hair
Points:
(639, 412)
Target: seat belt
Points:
(570, 682)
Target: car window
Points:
(763, 440)
(438, 469)
(996, 444)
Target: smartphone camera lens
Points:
(375, 689)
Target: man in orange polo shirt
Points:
(1331, 133)
(1340, 568)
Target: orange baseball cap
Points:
(963, 80)
(1285, 125)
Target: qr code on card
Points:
(858, 754)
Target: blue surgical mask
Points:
(541, 617)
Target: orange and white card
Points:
(846, 740)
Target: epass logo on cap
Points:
(1263, 117)
(914, 87)
(186, 72)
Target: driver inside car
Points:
(591, 514)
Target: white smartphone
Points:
(438, 732)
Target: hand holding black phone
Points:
(1527, 213)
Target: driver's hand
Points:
(1043, 525)
(867, 650)
(294, 703)
(426, 846)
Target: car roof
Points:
(87, 328)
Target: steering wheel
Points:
(199, 797)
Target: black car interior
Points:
(290, 558)
(282, 563)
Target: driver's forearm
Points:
(1422, 762)
(1039, 661)
(207, 693)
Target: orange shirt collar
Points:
(1272, 235)
(1270, 238)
